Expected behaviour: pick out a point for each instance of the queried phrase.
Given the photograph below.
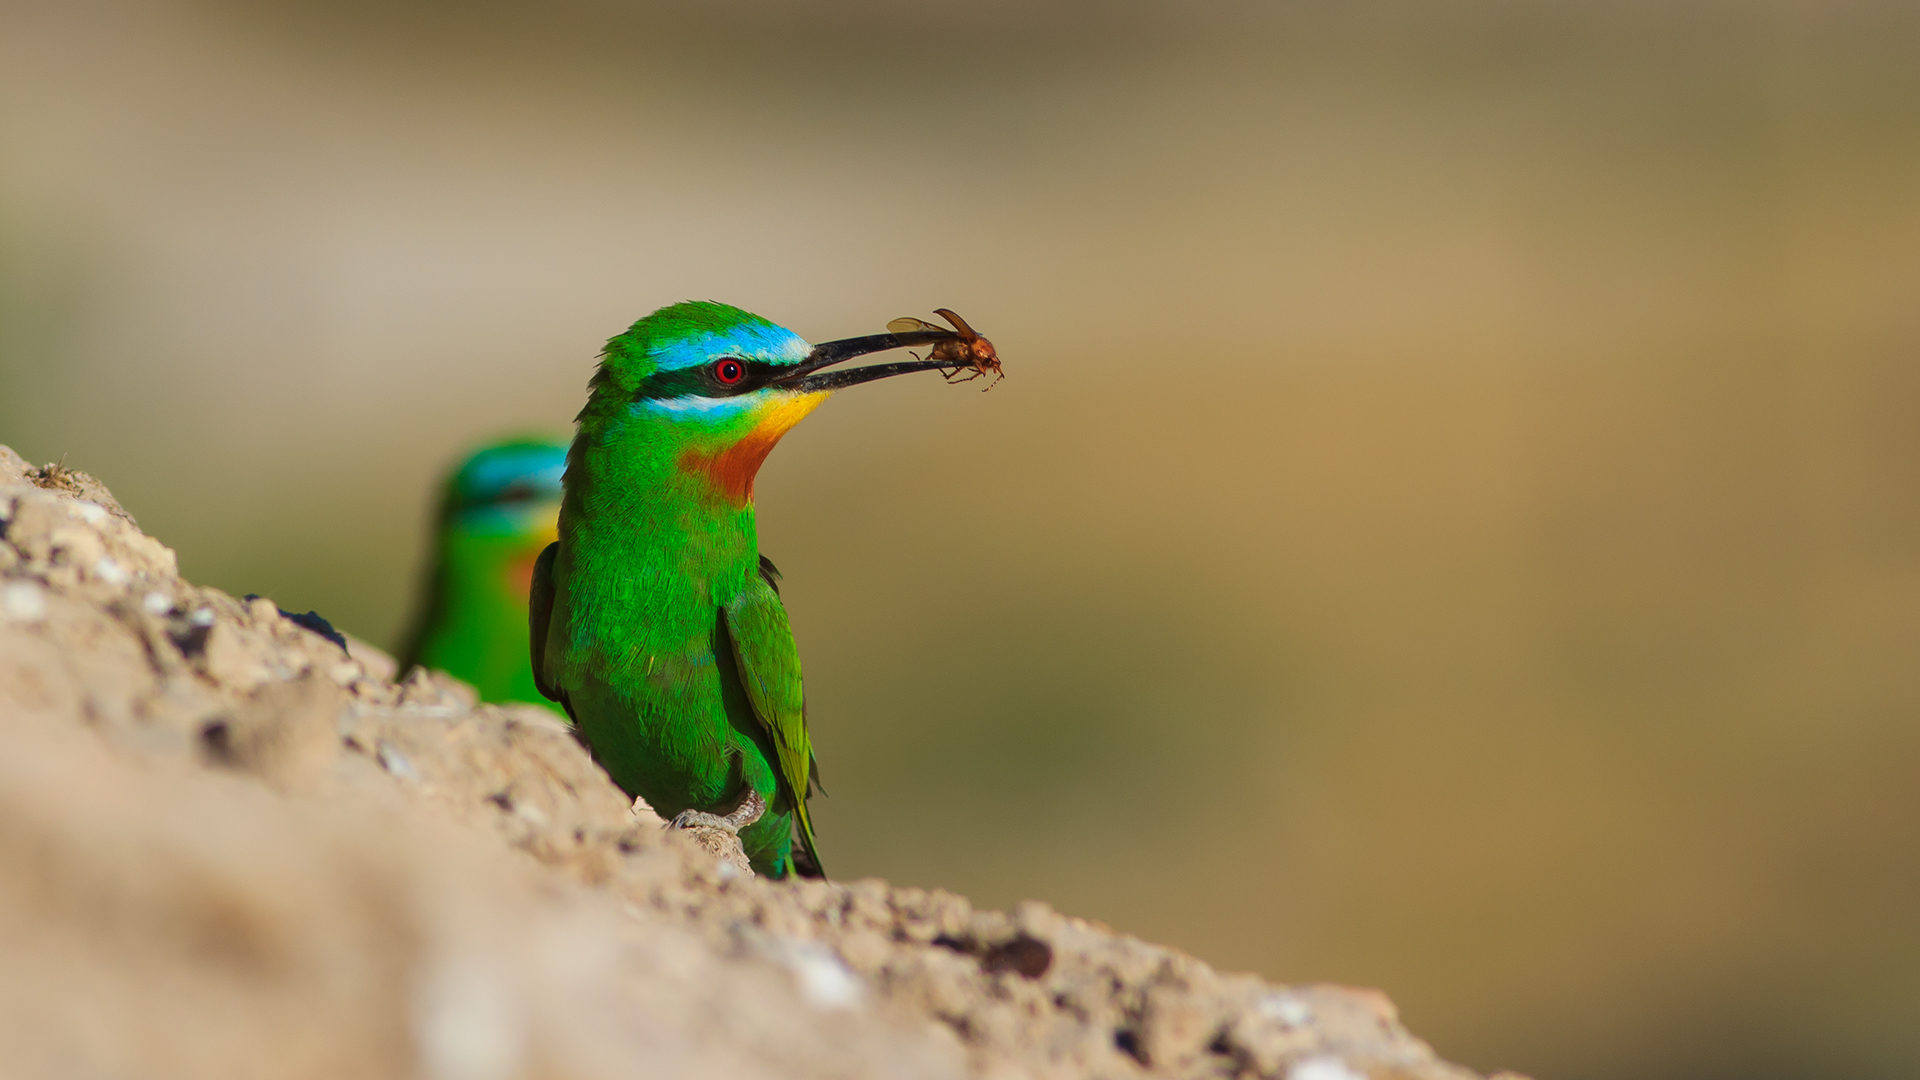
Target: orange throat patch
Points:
(732, 470)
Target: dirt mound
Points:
(229, 847)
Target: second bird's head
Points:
(712, 388)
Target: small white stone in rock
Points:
(397, 763)
(644, 813)
(157, 603)
(344, 672)
(1324, 1068)
(109, 571)
(1286, 1008)
(825, 980)
(90, 512)
(203, 617)
(23, 601)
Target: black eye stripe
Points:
(700, 381)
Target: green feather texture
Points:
(769, 665)
(650, 620)
(654, 619)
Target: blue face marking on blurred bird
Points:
(502, 487)
(495, 470)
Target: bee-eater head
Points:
(501, 507)
(508, 488)
(722, 385)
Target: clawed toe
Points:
(752, 805)
(699, 819)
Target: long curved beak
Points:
(808, 376)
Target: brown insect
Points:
(969, 352)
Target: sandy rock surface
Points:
(230, 848)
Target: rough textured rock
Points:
(230, 848)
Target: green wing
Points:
(770, 669)
(539, 615)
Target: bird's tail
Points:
(806, 857)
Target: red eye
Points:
(729, 371)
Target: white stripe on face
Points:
(696, 405)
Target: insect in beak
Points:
(965, 351)
(951, 350)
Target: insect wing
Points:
(959, 323)
(909, 326)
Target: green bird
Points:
(655, 621)
(499, 510)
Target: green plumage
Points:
(498, 511)
(653, 618)
(652, 621)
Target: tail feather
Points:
(806, 858)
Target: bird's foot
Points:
(719, 834)
(700, 819)
(752, 805)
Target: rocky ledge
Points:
(230, 847)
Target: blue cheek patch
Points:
(534, 467)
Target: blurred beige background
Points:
(1452, 521)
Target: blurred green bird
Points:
(498, 511)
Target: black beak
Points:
(808, 376)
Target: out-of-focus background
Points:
(1452, 521)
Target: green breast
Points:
(476, 626)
